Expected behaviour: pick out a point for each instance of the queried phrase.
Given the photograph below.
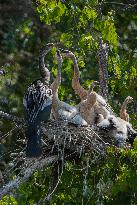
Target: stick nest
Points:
(74, 138)
(61, 141)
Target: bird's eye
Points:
(39, 83)
(120, 132)
(48, 92)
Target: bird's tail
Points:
(34, 148)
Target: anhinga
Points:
(38, 103)
(89, 110)
(60, 109)
(123, 111)
(118, 129)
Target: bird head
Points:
(129, 99)
(68, 54)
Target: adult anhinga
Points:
(38, 103)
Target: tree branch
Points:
(27, 172)
(122, 5)
(6, 116)
(102, 56)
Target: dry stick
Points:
(7, 116)
(102, 56)
(4, 136)
(14, 184)
(7, 170)
(122, 5)
(49, 196)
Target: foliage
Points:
(77, 25)
(110, 180)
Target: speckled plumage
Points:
(37, 102)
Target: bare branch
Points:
(102, 56)
(7, 116)
(122, 6)
(27, 172)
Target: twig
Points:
(7, 116)
(122, 6)
(38, 164)
(103, 64)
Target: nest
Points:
(72, 138)
(61, 141)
